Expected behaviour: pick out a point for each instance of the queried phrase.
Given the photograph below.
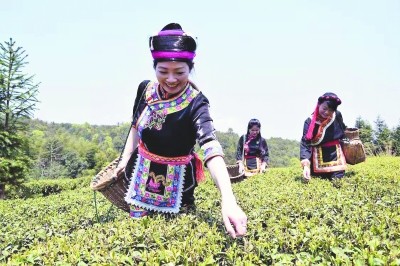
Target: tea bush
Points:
(39, 188)
(353, 221)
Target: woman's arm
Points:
(234, 218)
(239, 154)
(130, 146)
(264, 155)
(305, 152)
(239, 149)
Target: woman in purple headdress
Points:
(170, 114)
(252, 153)
(320, 150)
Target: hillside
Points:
(354, 221)
(74, 150)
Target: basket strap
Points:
(143, 86)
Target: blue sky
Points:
(255, 59)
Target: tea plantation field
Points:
(354, 221)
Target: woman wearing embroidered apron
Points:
(252, 153)
(320, 151)
(171, 114)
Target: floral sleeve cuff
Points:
(211, 149)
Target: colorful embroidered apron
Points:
(319, 164)
(250, 172)
(157, 182)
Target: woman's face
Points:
(172, 76)
(254, 131)
(324, 110)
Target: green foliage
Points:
(71, 150)
(14, 164)
(39, 188)
(13, 171)
(366, 134)
(382, 137)
(17, 90)
(61, 150)
(283, 152)
(353, 221)
(396, 140)
(11, 145)
(381, 140)
(229, 141)
(17, 102)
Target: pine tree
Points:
(382, 137)
(17, 90)
(17, 103)
(396, 140)
(366, 134)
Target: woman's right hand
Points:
(306, 173)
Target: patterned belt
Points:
(162, 159)
(180, 160)
(330, 143)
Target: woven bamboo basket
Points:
(233, 171)
(113, 188)
(352, 146)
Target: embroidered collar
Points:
(174, 104)
(154, 114)
(322, 129)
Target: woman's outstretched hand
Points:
(234, 218)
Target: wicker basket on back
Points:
(352, 146)
(113, 188)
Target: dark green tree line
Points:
(380, 140)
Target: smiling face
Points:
(172, 75)
(254, 131)
(324, 110)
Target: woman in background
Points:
(320, 151)
(252, 153)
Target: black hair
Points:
(253, 122)
(332, 105)
(172, 26)
(331, 99)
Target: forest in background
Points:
(71, 150)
